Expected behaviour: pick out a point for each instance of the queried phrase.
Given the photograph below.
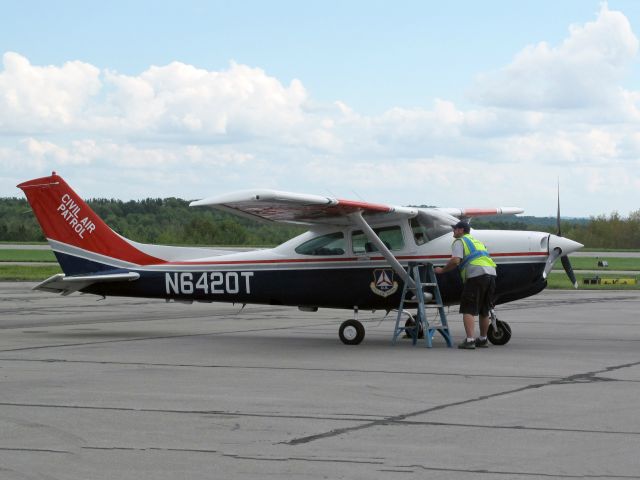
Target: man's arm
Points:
(454, 261)
(452, 264)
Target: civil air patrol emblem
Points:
(383, 283)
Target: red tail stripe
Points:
(66, 218)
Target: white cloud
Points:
(182, 99)
(176, 99)
(182, 130)
(36, 99)
(582, 72)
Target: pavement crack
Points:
(218, 413)
(519, 427)
(571, 379)
(305, 459)
(151, 449)
(513, 473)
(160, 337)
(32, 450)
(268, 367)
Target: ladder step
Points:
(424, 285)
(431, 300)
(426, 304)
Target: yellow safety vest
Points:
(475, 253)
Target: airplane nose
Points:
(566, 245)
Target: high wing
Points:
(467, 213)
(278, 206)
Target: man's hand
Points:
(451, 265)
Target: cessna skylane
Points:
(355, 255)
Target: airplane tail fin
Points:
(81, 241)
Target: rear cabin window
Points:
(390, 236)
(330, 244)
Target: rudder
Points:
(82, 242)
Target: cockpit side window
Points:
(330, 244)
(420, 234)
(427, 229)
(390, 236)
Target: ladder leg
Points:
(420, 277)
(444, 328)
(398, 330)
(421, 322)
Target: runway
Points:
(140, 389)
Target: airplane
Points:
(355, 255)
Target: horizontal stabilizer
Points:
(60, 283)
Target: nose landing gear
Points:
(499, 332)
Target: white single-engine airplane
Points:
(354, 256)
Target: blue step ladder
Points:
(426, 282)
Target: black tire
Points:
(500, 335)
(351, 332)
(410, 324)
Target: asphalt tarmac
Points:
(140, 389)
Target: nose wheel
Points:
(499, 334)
(351, 332)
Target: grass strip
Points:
(591, 263)
(9, 273)
(27, 256)
(561, 282)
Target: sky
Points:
(453, 104)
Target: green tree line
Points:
(171, 221)
(167, 221)
(603, 231)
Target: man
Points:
(478, 272)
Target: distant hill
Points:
(522, 222)
(513, 222)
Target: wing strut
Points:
(382, 248)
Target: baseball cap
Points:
(464, 225)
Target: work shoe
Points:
(467, 344)
(482, 343)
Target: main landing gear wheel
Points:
(351, 332)
(500, 335)
(409, 325)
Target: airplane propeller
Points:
(561, 245)
(569, 270)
